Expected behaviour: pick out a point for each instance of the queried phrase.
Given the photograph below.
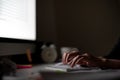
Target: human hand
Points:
(86, 60)
(68, 56)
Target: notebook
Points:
(66, 68)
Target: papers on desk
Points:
(66, 68)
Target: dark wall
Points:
(46, 29)
(92, 25)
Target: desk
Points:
(49, 75)
(113, 75)
(100, 75)
(27, 74)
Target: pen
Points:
(28, 52)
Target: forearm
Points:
(112, 63)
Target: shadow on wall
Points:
(88, 24)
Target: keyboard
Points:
(66, 68)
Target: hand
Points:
(67, 57)
(73, 58)
(87, 60)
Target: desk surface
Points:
(100, 75)
(50, 75)
(113, 75)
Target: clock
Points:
(49, 53)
